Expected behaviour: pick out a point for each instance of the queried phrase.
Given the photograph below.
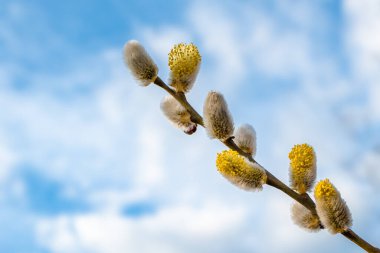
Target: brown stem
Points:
(303, 199)
(351, 235)
(181, 98)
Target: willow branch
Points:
(303, 199)
(181, 98)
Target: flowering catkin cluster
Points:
(140, 63)
(178, 115)
(302, 170)
(239, 171)
(217, 118)
(184, 63)
(331, 211)
(303, 218)
(331, 208)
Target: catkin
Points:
(217, 118)
(184, 64)
(331, 208)
(178, 115)
(303, 218)
(302, 169)
(239, 171)
(245, 139)
(140, 63)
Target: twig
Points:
(303, 199)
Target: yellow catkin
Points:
(239, 171)
(302, 170)
(331, 208)
(184, 62)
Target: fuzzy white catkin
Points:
(335, 215)
(245, 139)
(178, 115)
(217, 118)
(140, 63)
(303, 218)
(331, 207)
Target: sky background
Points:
(89, 164)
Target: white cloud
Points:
(82, 139)
(193, 229)
(368, 167)
(219, 40)
(363, 37)
(149, 170)
(363, 46)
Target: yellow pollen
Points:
(230, 163)
(184, 60)
(325, 189)
(302, 157)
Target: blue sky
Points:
(89, 164)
